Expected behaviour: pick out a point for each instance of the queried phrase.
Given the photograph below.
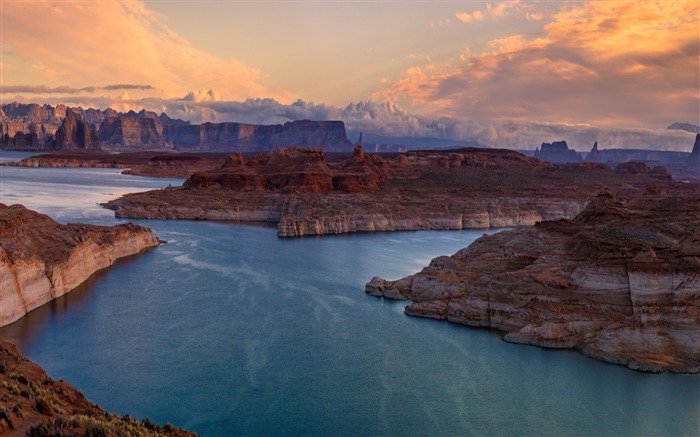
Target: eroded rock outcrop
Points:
(41, 260)
(455, 189)
(557, 152)
(620, 283)
(131, 133)
(75, 134)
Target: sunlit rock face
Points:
(620, 283)
(41, 260)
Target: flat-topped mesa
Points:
(41, 260)
(241, 137)
(619, 283)
(557, 152)
(131, 133)
(75, 134)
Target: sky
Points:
(443, 68)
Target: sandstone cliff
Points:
(240, 137)
(306, 194)
(620, 283)
(41, 259)
(31, 403)
(75, 134)
(131, 133)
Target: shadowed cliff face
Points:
(131, 132)
(240, 137)
(620, 283)
(41, 260)
(75, 134)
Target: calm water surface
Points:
(228, 330)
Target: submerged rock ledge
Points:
(619, 283)
(41, 259)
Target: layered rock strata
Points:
(619, 283)
(32, 403)
(75, 134)
(241, 137)
(305, 194)
(131, 133)
(41, 259)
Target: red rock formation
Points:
(125, 133)
(41, 260)
(620, 283)
(75, 134)
(287, 170)
(455, 189)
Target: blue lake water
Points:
(229, 330)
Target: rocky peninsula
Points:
(41, 259)
(153, 164)
(307, 193)
(620, 282)
(32, 403)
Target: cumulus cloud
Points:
(603, 63)
(202, 96)
(60, 43)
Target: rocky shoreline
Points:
(32, 403)
(306, 194)
(619, 283)
(41, 259)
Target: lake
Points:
(229, 330)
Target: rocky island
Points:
(307, 193)
(620, 282)
(41, 259)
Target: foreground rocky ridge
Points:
(31, 403)
(307, 193)
(619, 283)
(41, 260)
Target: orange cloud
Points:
(497, 11)
(604, 63)
(93, 43)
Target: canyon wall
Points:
(619, 283)
(240, 137)
(41, 260)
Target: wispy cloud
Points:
(493, 11)
(604, 63)
(43, 89)
(59, 44)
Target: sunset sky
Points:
(609, 64)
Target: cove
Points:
(229, 330)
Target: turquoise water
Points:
(228, 330)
